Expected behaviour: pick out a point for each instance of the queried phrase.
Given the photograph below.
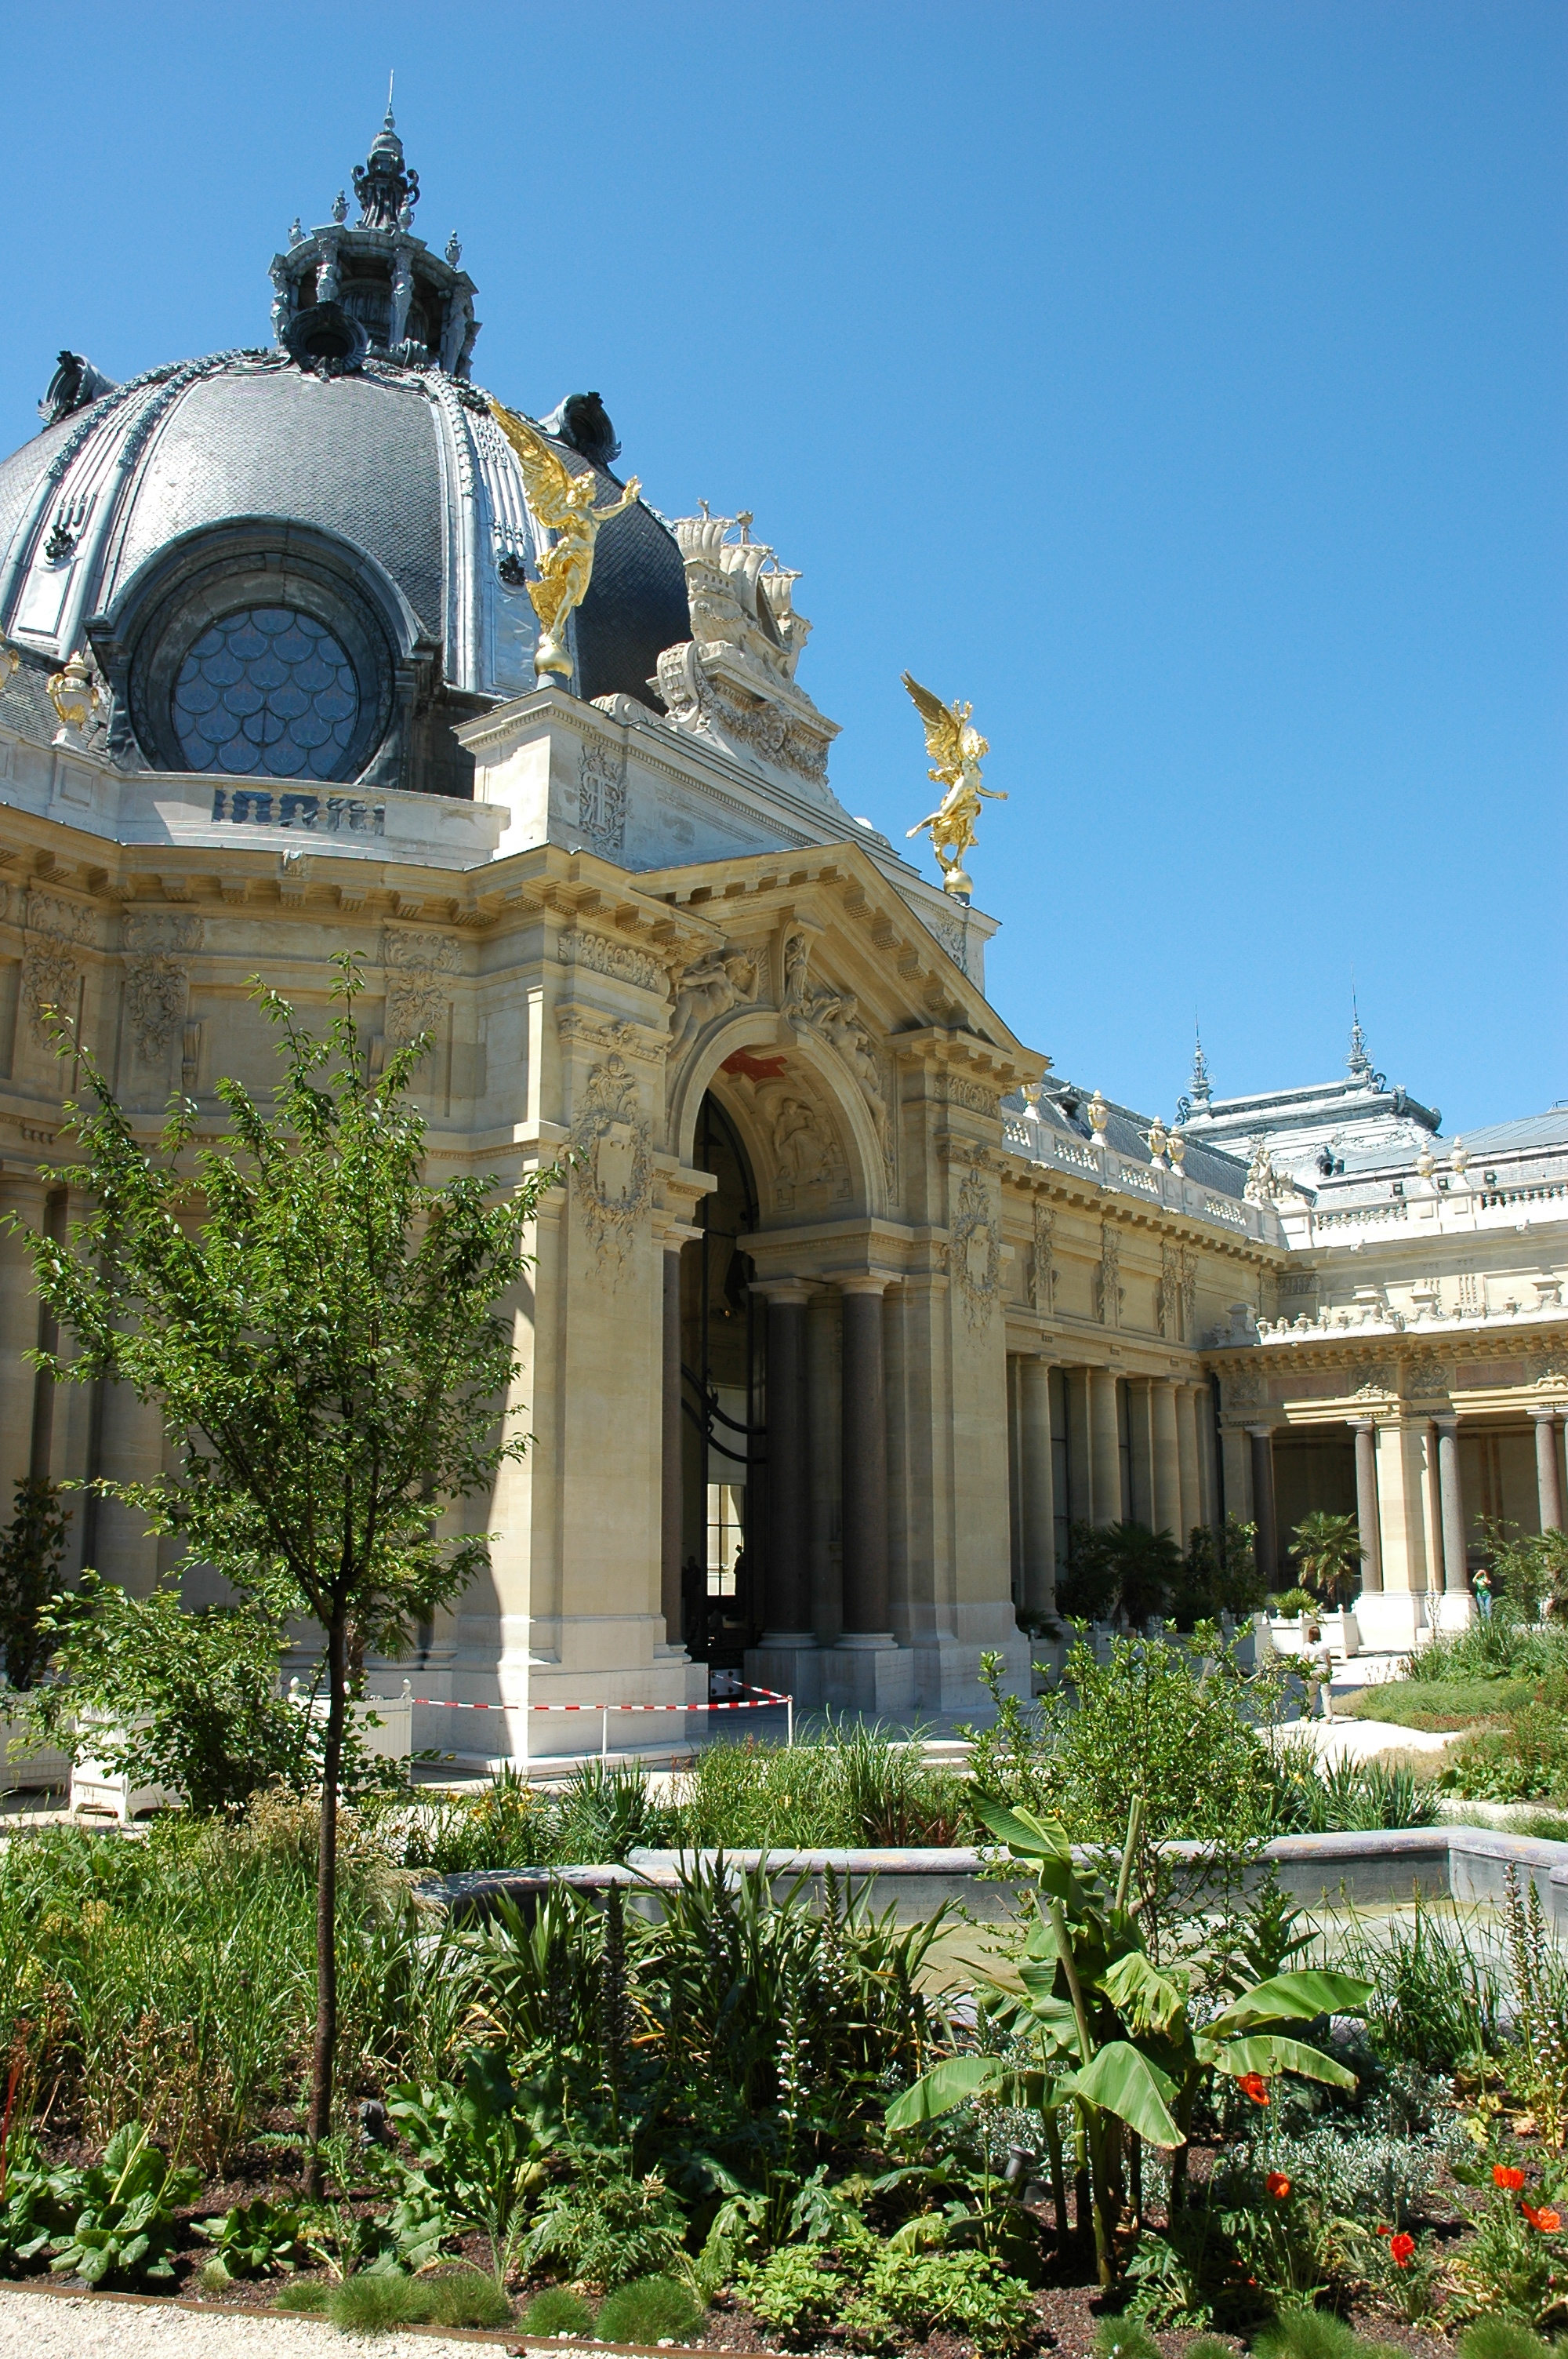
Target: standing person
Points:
(1482, 1585)
(1319, 1654)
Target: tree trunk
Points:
(327, 1903)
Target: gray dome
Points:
(382, 502)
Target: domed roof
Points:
(347, 454)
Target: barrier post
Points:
(789, 1722)
(604, 1732)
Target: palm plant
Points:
(1328, 1551)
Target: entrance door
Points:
(724, 1459)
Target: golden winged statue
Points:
(956, 751)
(563, 503)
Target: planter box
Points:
(47, 1770)
(1339, 1630)
(384, 1723)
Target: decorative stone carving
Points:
(835, 1017)
(606, 956)
(796, 966)
(1108, 1288)
(802, 1150)
(1245, 1389)
(810, 1160)
(601, 795)
(1189, 1284)
(52, 973)
(1168, 1295)
(1551, 1369)
(962, 1091)
(156, 983)
(707, 990)
(953, 940)
(1043, 1261)
(612, 1163)
(415, 963)
(1378, 1383)
(733, 681)
(975, 1253)
(1426, 1377)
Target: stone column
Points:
(864, 1519)
(670, 1501)
(1366, 1433)
(1456, 1570)
(1209, 1447)
(1039, 1504)
(23, 1193)
(1268, 1542)
(1140, 1425)
(1104, 1448)
(1548, 1475)
(1189, 1451)
(1167, 1459)
(1080, 1476)
(788, 1615)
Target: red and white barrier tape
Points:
(760, 1700)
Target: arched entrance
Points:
(723, 1452)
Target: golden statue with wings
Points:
(956, 750)
(563, 503)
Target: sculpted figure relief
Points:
(708, 989)
(564, 504)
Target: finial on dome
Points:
(1358, 1064)
(385, 189)
(454, 250)
(1202, 1088)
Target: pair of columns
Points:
(1450, 1494)
(1167, 1455)
(863, 1510)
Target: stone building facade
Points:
(843, 1308)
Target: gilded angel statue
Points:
(564, 504)
(956, 750)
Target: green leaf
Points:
(1022, 1832)
(1294, 1998)
(1271, 2053)
(1123, 2082)
(1149, 2000)
(939, 2091)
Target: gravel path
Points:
(46, 2326)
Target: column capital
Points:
(1550, 1413)
(783, 1289)
(1261, 1433)
(1362, 1424)
(678, 1235)
(863, 1281)
(1446, 1421)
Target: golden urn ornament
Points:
(563, 503)
(73, 693)
(956, 750)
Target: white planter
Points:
(29, 1770)
(95, 1787)
(384, 1723)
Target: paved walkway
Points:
(55, 2326)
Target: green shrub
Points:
(609, 2230)
(557, 2310)
(1296, 1602)
(1525, 1759)
(122, 2211)
(1208, 2346)
(31, 1548)
(307, 2294)
(1300, 2333)
(967, 2293)
(251, 2240)
(1125, 2337)
(1441, 1998)
(647, 2311)
(1501, 2337)
(794, 2289)
(465, 2298)
(27, 2208)
(374, 2301)
(1313, 1797)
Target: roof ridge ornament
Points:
(387, 192)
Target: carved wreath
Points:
(976, 1251)
(611, 1162)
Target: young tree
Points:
(1329, 1551)
(319, 1330)
(30, 1551)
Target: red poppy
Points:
(1506, 2176)
(1401, 2250)
(1278, 2185)
(1546, 2219)
(1253, 2085)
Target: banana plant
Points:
(1111, 2032)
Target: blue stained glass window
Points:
(266, 693)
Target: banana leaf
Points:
(1120, 2080)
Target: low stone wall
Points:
(1468, 1865)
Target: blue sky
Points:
(1180, 383)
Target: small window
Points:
(266, 692)
(724, 1537)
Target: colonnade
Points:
(1092, 1446)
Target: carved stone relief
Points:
(811, 1171)
(1427, 1375)
(604, 956)
(157, 981)
(835, 1017)
(601, 795)
(415, 963)
(1552, 1369)
(1189, 1279)
(1378, 1383)
(975, 1253)
(52, 973)
(707, 990)
(1107, 1286)
(1043, 1261)
(612, 1163)
(1167, 1299)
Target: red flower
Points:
(1278, 2185)
(1253, 2085)
(1506, 2176)
(1401, 2250)
(1546, 2219)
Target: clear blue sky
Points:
(1181, 383)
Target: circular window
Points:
(266, 692)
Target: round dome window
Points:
(266, 692)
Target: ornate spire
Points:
(1201, 1088)
(387, 192)
(1358, 1064)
